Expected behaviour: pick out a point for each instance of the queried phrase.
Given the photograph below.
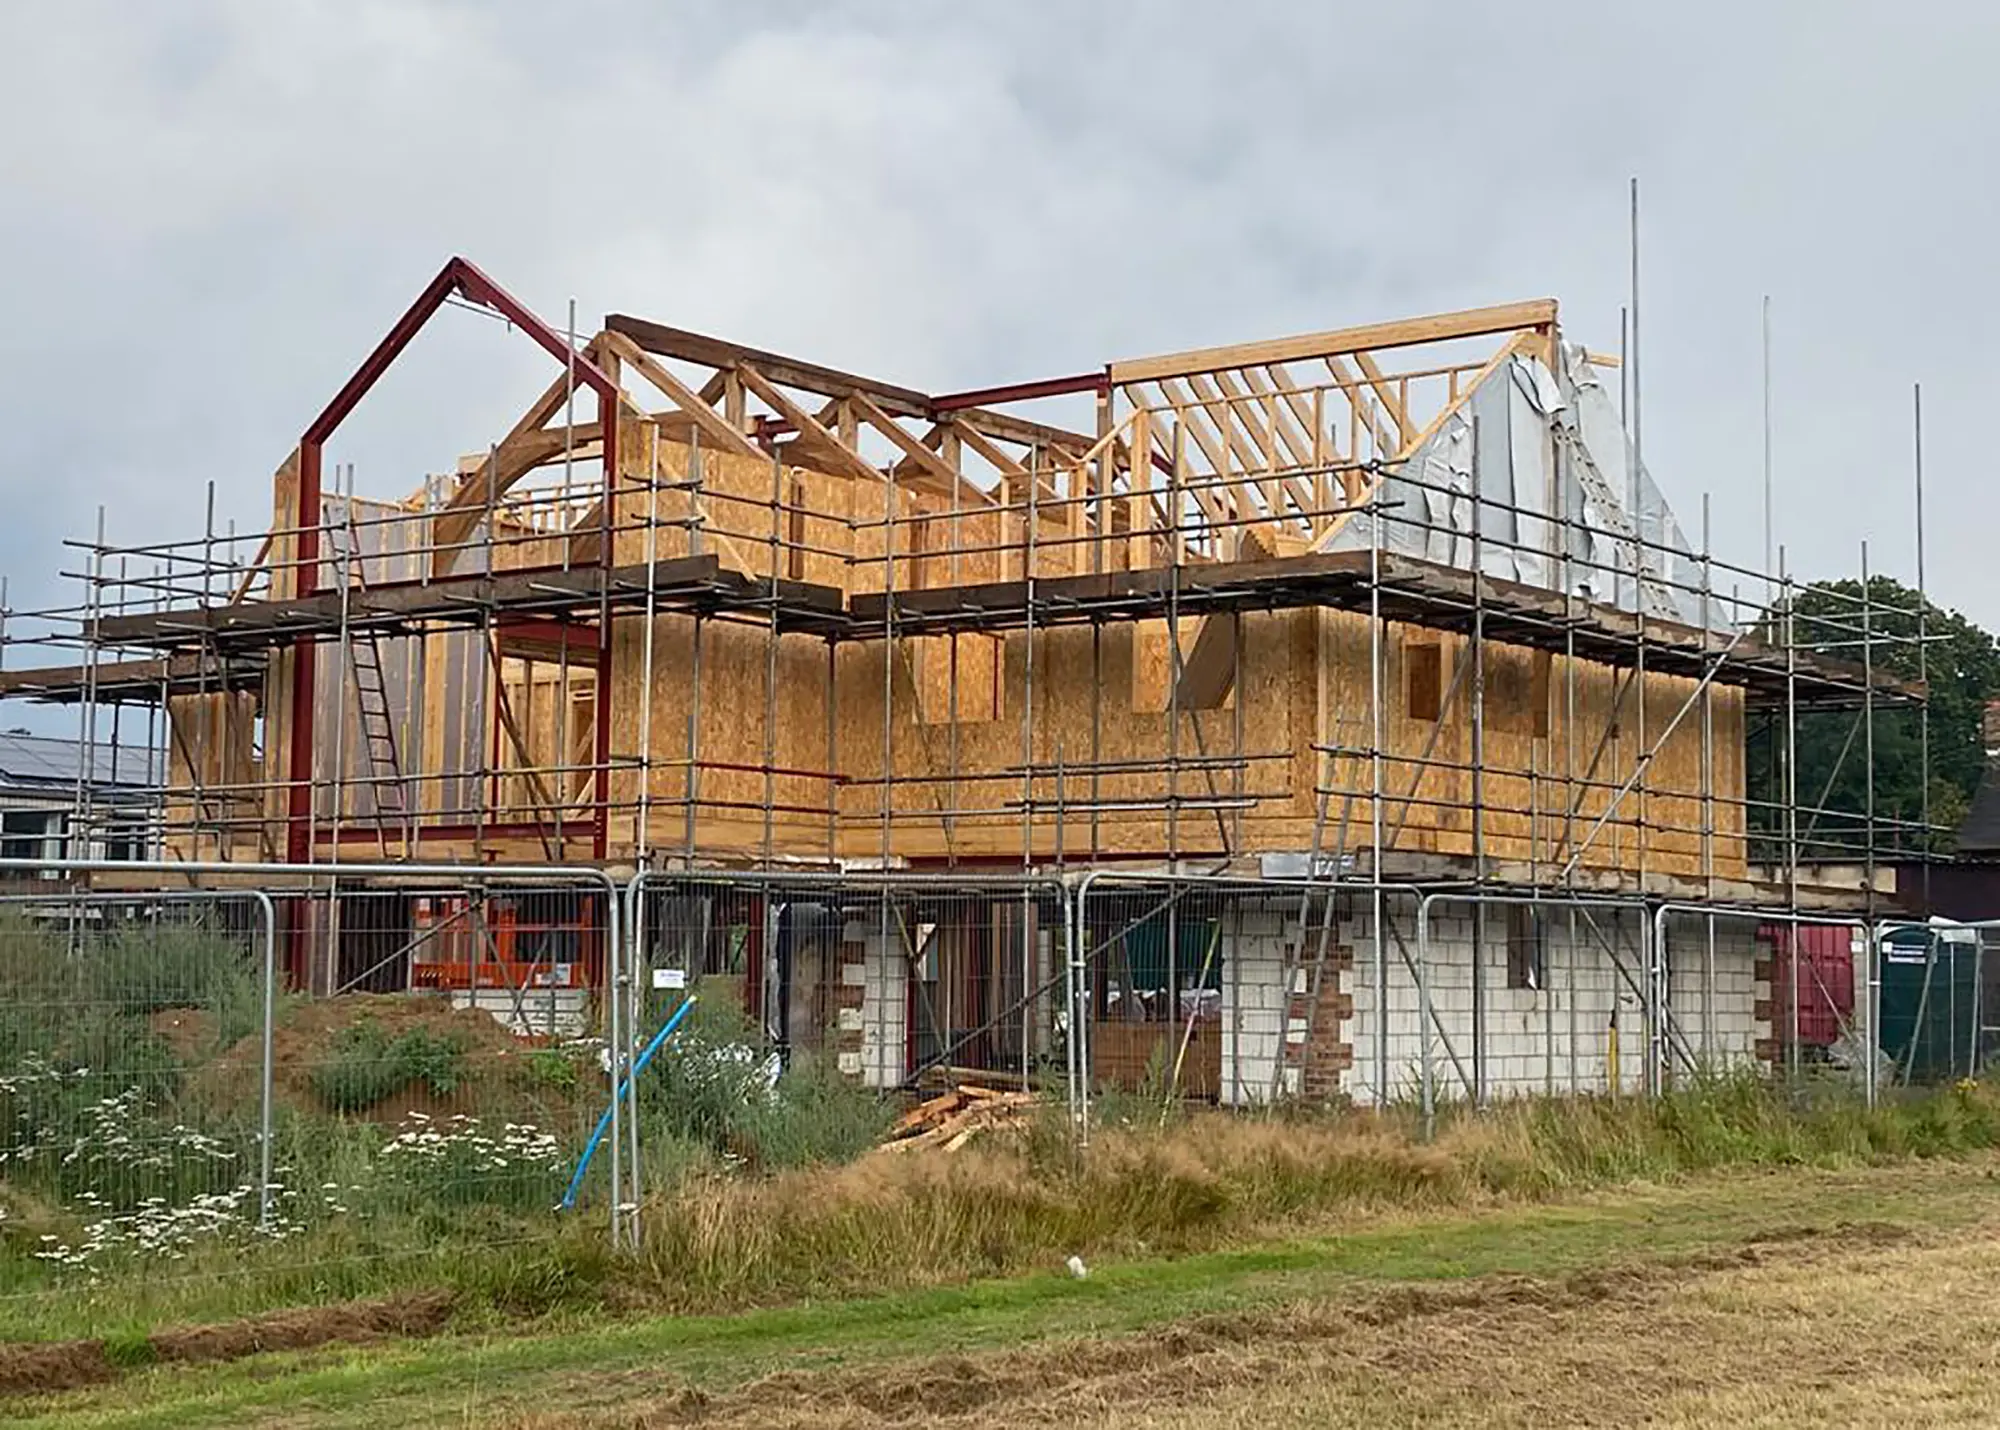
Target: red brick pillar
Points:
(1315, 1042)
(1767, 1010)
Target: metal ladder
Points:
(1306, 957)
(371, 691)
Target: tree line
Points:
(1960, 666)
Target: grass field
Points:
(1781, 1296)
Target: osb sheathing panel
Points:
(830, 529)
(1540, 796)
(729, 737)
(962, 789)
(213, 771)
(733, 507)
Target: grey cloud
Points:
(209, 211)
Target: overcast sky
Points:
(210, 210)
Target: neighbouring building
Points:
(45, 779)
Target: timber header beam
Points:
(906, 402)
(1409, 332)
(787, 372)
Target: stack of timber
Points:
(955, 1118)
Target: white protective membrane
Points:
(1594, 484)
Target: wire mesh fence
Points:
(893, 980)
(821, 996)
(133, 1110)
(1788, 990)
(313, 1074)
(1935, 999)
(299, 1080)
(444, 1051)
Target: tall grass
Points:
(720, 1235)
(1214, 1178)
(709, 1097)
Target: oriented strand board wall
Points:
(731, 739)
(1249, 769)
(963, 789)
(734, 507)
(1073, 754)
(1548, 777)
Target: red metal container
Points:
(1820, 975)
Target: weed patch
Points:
(709, 1089)
(367, 1065)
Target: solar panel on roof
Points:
(46, 760)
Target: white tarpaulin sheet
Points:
(1519, 419)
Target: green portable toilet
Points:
(1930, 976)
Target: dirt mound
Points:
(37, 1368)
(40, 1368)
(419, 1314)
(189, 1032)
(499, 1078)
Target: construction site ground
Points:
(1859, 1296)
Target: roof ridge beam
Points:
(720, 354)
(1406, 332)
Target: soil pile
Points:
(502, 1078)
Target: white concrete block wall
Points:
(1363, 1030)
(1552, 1038)
(884, 1005)
(1254, 1003)
(534, 1012)
(1555, 1037)
(1724, 982)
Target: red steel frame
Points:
(458, 277)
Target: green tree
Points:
(1961, 665)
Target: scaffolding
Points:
(1396, 603)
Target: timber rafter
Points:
(1252, 448)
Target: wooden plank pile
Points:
(955, 1118)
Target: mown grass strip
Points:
(481, 1377)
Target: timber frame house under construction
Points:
(1391, 603)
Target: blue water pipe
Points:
(638, 1066)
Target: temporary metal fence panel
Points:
(135, 1113)
(453, 1031)
(1773, 987)
(1182, 988)
(892, 980)
(298, 1073)
(1936, 989)
(1249, 990)
(1255, 990)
